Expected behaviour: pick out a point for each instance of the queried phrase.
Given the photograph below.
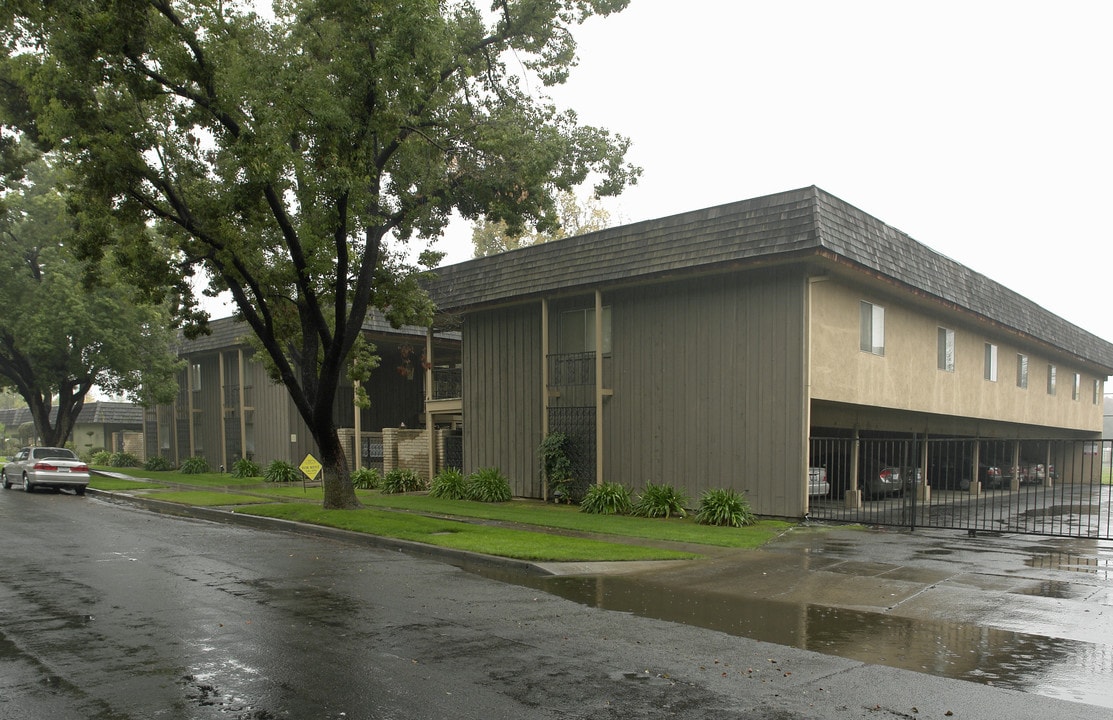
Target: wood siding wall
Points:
(708, 379)
(502, 394)
(709, 388)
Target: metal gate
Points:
(1041, 487)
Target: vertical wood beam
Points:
(189, 408)
(223, 422)
(598, 387)
(243, 412)
(544, 387)
(428, 368)
(357, 426)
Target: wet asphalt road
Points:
(108, 612)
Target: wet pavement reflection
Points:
(939, 642)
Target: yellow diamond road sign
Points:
(310, 466)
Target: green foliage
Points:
(68, 324)
(285, 192)
(244, 468)
(556, 468)
(449, 484)
(366, 479)
(280, 471)
(400, 481)
(101, 457)
(724, 507)
(121, 459)
(660, 501)
(607, 499)
(194, 466)
(488, 485)
(158, 462)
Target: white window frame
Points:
(871, 332)
(1051, 377)
(945, 349)
(1076, 387)
(990, 362)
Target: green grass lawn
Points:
(446, 522)
(114, 484)
(206, 498)
(443, 532)
(568, 517)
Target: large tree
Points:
(65, 326)
(291, 157)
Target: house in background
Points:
(227, 408)
(113, 426)
(707, 349)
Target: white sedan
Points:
(46, 467)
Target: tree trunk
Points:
(339, 493)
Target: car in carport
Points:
(49, 467)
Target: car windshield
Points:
(62, 453)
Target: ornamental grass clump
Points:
(488, 485)
(607, 499)
(725, 507)
(280, 471)
(194, 466)
(244, 468)
(121, 459)
(400, 481)
(449, 484)
(366, 479)
(660, 501)
(158, 463)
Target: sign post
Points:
(310, 468)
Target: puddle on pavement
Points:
(1054, 667)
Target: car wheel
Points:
(27, 486)
(80, 489)
(4, 478)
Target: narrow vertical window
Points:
(872, 328)
(991, 362)
(1076, 387)
(1022, 371)
(195, 377)
(1050, 379)
(1097, 391)
(946, 350)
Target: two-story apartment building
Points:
(706, 349)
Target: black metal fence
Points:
(1042, 487)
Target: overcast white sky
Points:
(981, 129)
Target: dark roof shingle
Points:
(808, 221)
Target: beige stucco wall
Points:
(907, 376)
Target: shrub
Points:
(101, 457)
(607, 499)
(400, 481)
(123, 459)
(157, 462)
(449, 484)
(194, 466)
(488, 485)
(366, 479)
(280, 471)
(660, 501)
(724, 507)
(244, 468)
(556, 468)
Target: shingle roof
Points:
(92, 413)
(804, 222)
(231, 332)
